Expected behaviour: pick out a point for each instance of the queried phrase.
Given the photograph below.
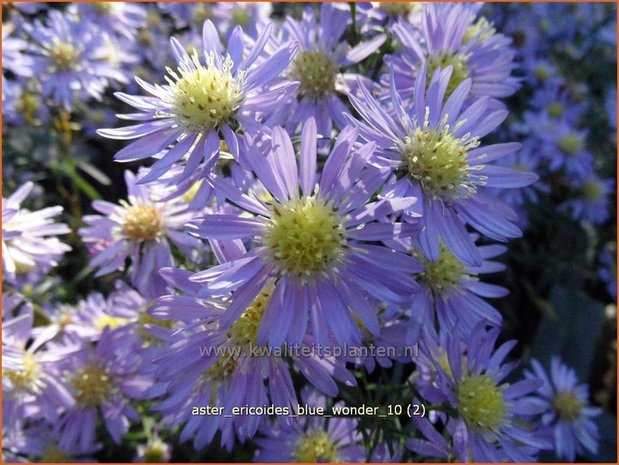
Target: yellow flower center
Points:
(241, 16)
(460, 71)
(141, 222)
(201, 12)
(316, 72)
(480, 402)
(439, 162)
(63, 55)
(567, 405)
(482, 29)
(541, 72)
(102, 8)
(52, 454)
(110, 321)
(555, 109)
(397, 9)
(153, 18)
(65, 320)
(316, 447)
(571, 144)
(205, 97)
(145, 319)
(305, 237)
(145, 37)
(592, 191)
(155, 452)
(92, 384)
(444, 274)
(222, 369)
(245, 330)
(25, 378)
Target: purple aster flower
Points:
(316, 237)
(124, 309)
(28, 237)
(557, 103)
(593, 202)
(320, 68)
(147, 43)
(29, 384)
(312, 439)
(118, 18)
(69, 58)
(489, 423)
(251, 16)
(103, 379)
(562, 146)
(566, 411)
(452, 35)
(207, 99)
(434, 149)
(192, 14)
(38, 441)
(452, 294)
(122, 54)
(142, 228)
(205, 364)
(374, 16)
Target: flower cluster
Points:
(311, 208)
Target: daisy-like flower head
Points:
(593, 203)
(564, 147)
(489, 419)
(435, 151)
(123, 310)
(38, 441)
(313, 439)
(30, 387)
(143, 228)
(319, 67)
(251, 16)
(452, 294)
(378, 15)
(28, 237)
(69, 56)
(205, 364)
(312, 237)
(210, 96)
(566, 410)
(192, 14)
(101, 379)
(119, 18)
(452, 35)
